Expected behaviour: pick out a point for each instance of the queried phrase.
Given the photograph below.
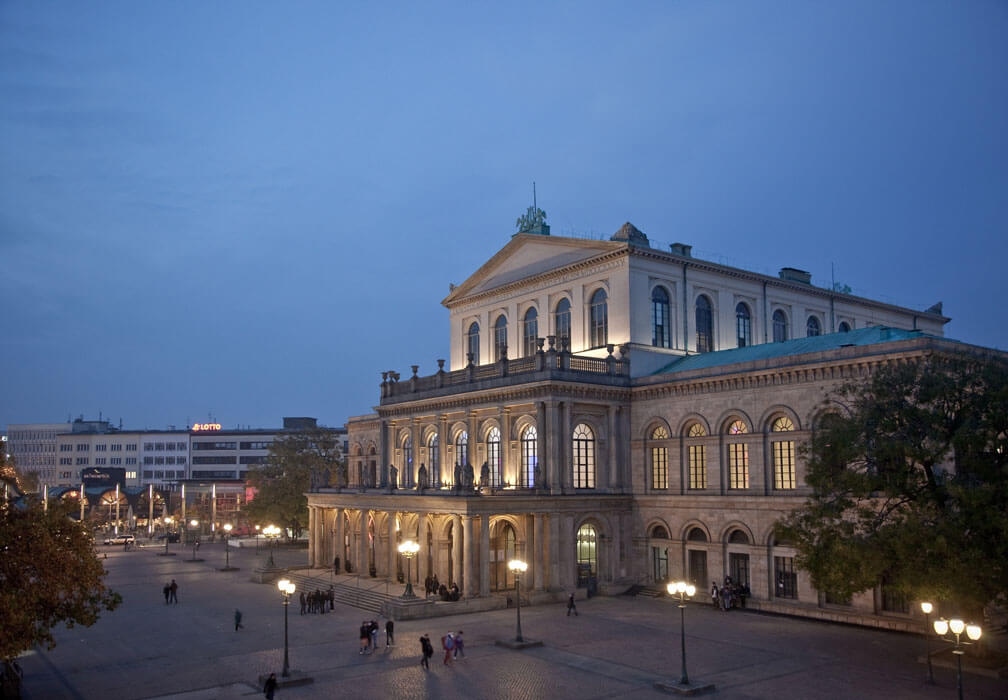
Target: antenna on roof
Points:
(534, 204)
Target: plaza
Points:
(616, 647)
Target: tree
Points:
(297, 463)
(49, 574)
(909, 479)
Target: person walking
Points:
(449, 646)
(373, 629)
(389, 638)
(365, 636)
(332, 598)
(459, 646)
(571, 607)
(304, 602)
(167, 592)
(173, 591)
(426, 651)
(270, 686)
(237, 618)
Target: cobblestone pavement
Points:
(616, 647)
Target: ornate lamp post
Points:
(518, 567)
(956, 626)
(194, 524)
(683, 590)
(286, 590)
(227, 547)
(167, 532)
(271, 532)
(926, 608)
(408, 549)
(257, 539)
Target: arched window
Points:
(584, 457)
(780, 333)
(783, 452)
(696, 456)
(462, 449)
(587, 554)
(529, 459)
(659, 459)
(599, 319)
(812, 327)
(562, 323)
(704, 325)
(407, 462)
(472, 344)
(493, 457)
(504, 549)
(844, 327)
(500, 338)
(743, 325)
(660, 318)
(530, 331)
(434, 459)
(738, 457)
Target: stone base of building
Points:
(265, 575)
(515, 644)
(676, 688)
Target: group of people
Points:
(369, 636)
(170, 591)
(730, 595)
(434, 587)
(452, 643)
(317, 600)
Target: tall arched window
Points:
(812, 327)
(696, 456)
(562, 323)
(660, 318)
(472, 343)
(500, 338)
(738, 457)
(493, 457)
(704, 325)
(462, 449)
(783, 452)
(844, 327)
(529, 457)
(599, 319)
(434, 459)
(780, 333)
(584, 457)
(407, 462)
(587, 554)
(659, 458)
(503, 549)
(530, 331)
(743, 325)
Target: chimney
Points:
(793, 274)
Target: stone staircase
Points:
(363, 597)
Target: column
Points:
(538, 552)
(566, 445)
(412, 469)
(393, 549)
(471, 427)
(443, 449)
(545, 463)
(484, 556)
(338, 550)
(614, 477)
(555, 447)
(424, 552)
(312, 536)
(457, 550)
(469, 588)
(362, 552)
(569, 561)
(384, 457)
(554, 551)
(508, 472)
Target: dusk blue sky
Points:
(249, 210)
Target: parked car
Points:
(121, 539)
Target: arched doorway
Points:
(587, 557)
(659, 553)
(738, 562)
(503, 548)
(697, 558)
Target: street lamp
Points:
(518, 567)
(926, 608)
(168, 521)
(257, 539)
(408, 549)
(271, 532)
(683, 590)
(286, 590)
(194, 524)
(956, 626)
(227, 547)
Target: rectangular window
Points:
(180, 445)
(82, 447)
(66, 460)
(659, 467)
(159, 460)
(100, 448)
(697, 466)
(214, 445)
(738, 465)
(116, 448)
(131, 460)
(148, 460)
(81, 460)
(148, 474)
(894, 600)
(784, 466)
(786, 578)
(158, 474)
(245, 459)
(170, 446)
(148, 447)
(66, 448)
(169, 460)
(99, 461)
(131, 447)
(180, 460)
(131, 475)
(215, 460)
(115, 460)
(260, 445)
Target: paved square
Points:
(616, 647)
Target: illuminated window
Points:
(434, 459)
(780, 332)
(587, 554)
(562, 323)
(472, 344)
(696, 455)
(530, 331)
(738, 458)
(407, 463)
(743, 326)
(660, 318)
(494, 457)
(659, 459)
(783, 452)
(500, 338)
(584, 457)
(599, 319)
(704, 325)
(529, 458)
(462, 449)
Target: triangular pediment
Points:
(528, 256)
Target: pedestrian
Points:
(459, 646)
(270, 687)
(173, 590)
(389, 639)
(449, 646)
(428, 582)
(426, 651)
(167, 592)
(715, 594)
(335, 566)
(304, 603)
(364, 637)
(571, 607)
(238, 617)
(373, 629)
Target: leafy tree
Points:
(909, 479)
(49, 575)
(297, 463)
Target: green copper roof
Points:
(872, 335)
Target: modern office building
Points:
(34, 449)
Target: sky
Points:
(248, 210)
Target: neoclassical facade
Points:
(614, 415)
